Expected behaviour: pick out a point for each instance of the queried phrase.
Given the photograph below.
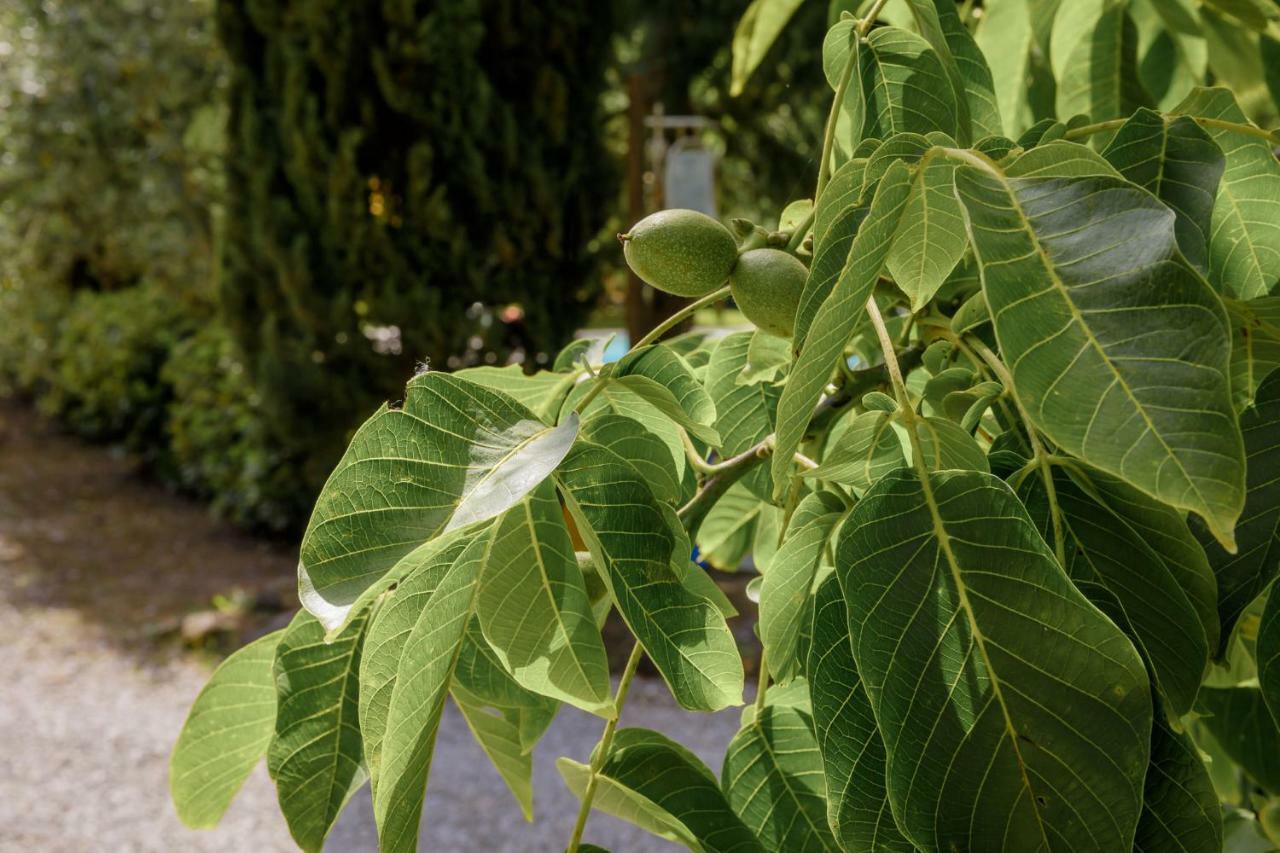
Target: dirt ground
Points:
(98, 569)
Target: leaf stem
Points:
(762, 683)
(675, 319)
(1272, 136)
(833, 117)
(657, 332)
(602, 748)
(899, 387)
(726, 474)
(801, 229)
(1039, 456)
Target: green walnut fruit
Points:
(766, 284)
(680, 251)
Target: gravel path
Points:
(91, 560)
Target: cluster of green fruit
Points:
(690, 254)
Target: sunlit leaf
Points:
(316, 756)
(905, 86)
(533, 607)
(756, 32)
(658, 785)
(745, 413)
(630, 538)
(785, 595)
(455, 453)
(226, 734)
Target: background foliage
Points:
(390, 167)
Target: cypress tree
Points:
(401, 175)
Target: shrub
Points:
(221, 446)
(397, 174)
(103, 377)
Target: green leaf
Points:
(1243, 575)
(1094, 51)
(1268, 654)
(422, 572)
(1114, 551)
(996, 736)
(1244, 242)
(499, 737)
(480, 680)
(632, 541)
(784, 595)
(905, 86)
(932, 239)
(505, 719)
(1179, 806)
(946, 446)
(835, 321)
(861, 454)
(569, 358)
(1238, 719)
(616, 398)
(841, 197)
(642, 448)
(542, 392)
(1255, 345)
(767, 356)
(456, 453)
(1012, 37)
(848, 740)
(939, 22)
(756, 32)
(841, 40)
(534, 611)
(429, 628)
(1072, 269)
(724, 537)
(227, 731)
(1254, 14)
(744, 413)
(773, 778)
(675, 380)
(658, 785)
(633, 394)
(1178, 163)
(316, 756)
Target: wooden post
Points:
(645, 307)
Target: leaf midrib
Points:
(944, 543)
(1092, 340)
